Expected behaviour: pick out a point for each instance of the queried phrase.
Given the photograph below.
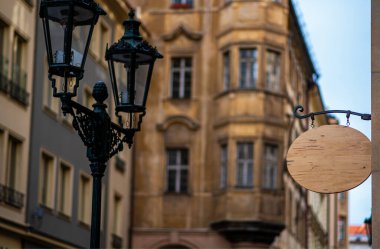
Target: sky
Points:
(340, 35)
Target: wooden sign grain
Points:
(330, 159)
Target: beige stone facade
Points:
(209, 165)
(17, 28)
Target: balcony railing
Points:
(4, 82)
(117, 241)
(11, 197)
(17, 86)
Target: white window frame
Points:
(67, 193)
(84, 198)
(47, 177)
(226, 70)
(182, 70)
(248, 79)
(244, 165)
(273, 71)
(270, 165)
(178, 167)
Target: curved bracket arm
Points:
(300, 108)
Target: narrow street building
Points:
(209, 166)
(17, 30)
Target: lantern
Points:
(130, 63)
(68, 27)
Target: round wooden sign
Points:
(330, 159)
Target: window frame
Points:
(226, 70)
(182, 84)
(247, 168)
(224, 158)
(178, 168)
(84, 199)
(273, 81)
(68, 192)
(270, 179)
(251, 73)
(47, 199)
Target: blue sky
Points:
(340, 35)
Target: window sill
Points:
(50, 112)
(243, 187)
(64, 216)
(84, 225)
(177, 194)
(181, 6)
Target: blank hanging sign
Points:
(330, 159)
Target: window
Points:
(51, 103)
(342, 196)
(17, 85)
(244, 174)
(342, 228)
(273, 71)
(13, 162)
(181, 78)
(46, 187)
(248, 68)
(177, 170)
(270, 166)
(3, 60)
(226, 70)
(223, 166)
(84, 208)
(64, 189)
(117, 218)
(182, 4)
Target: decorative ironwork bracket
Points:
(102, 137)
(311, 115)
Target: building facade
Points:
(17, 29)
(209, 166)
(60, 184)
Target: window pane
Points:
(176, 85)
(171, 180)
(177, 170)
(273, 70)
(187, 93)
(248, 68)
(270, 166)
(183, 187)
(172, 155)
(181, 77)
(184, 157)
(226, 70)
(244, 168)
(223, 166)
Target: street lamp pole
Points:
(66, 58)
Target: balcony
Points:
(11, 197)
(17, 85)
(117, 241)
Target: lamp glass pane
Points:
(140, 84)
(57, 37)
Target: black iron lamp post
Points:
(68, 26)
(368, 228)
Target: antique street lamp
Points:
(135, 58)
(68, 26)
(368, 228)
